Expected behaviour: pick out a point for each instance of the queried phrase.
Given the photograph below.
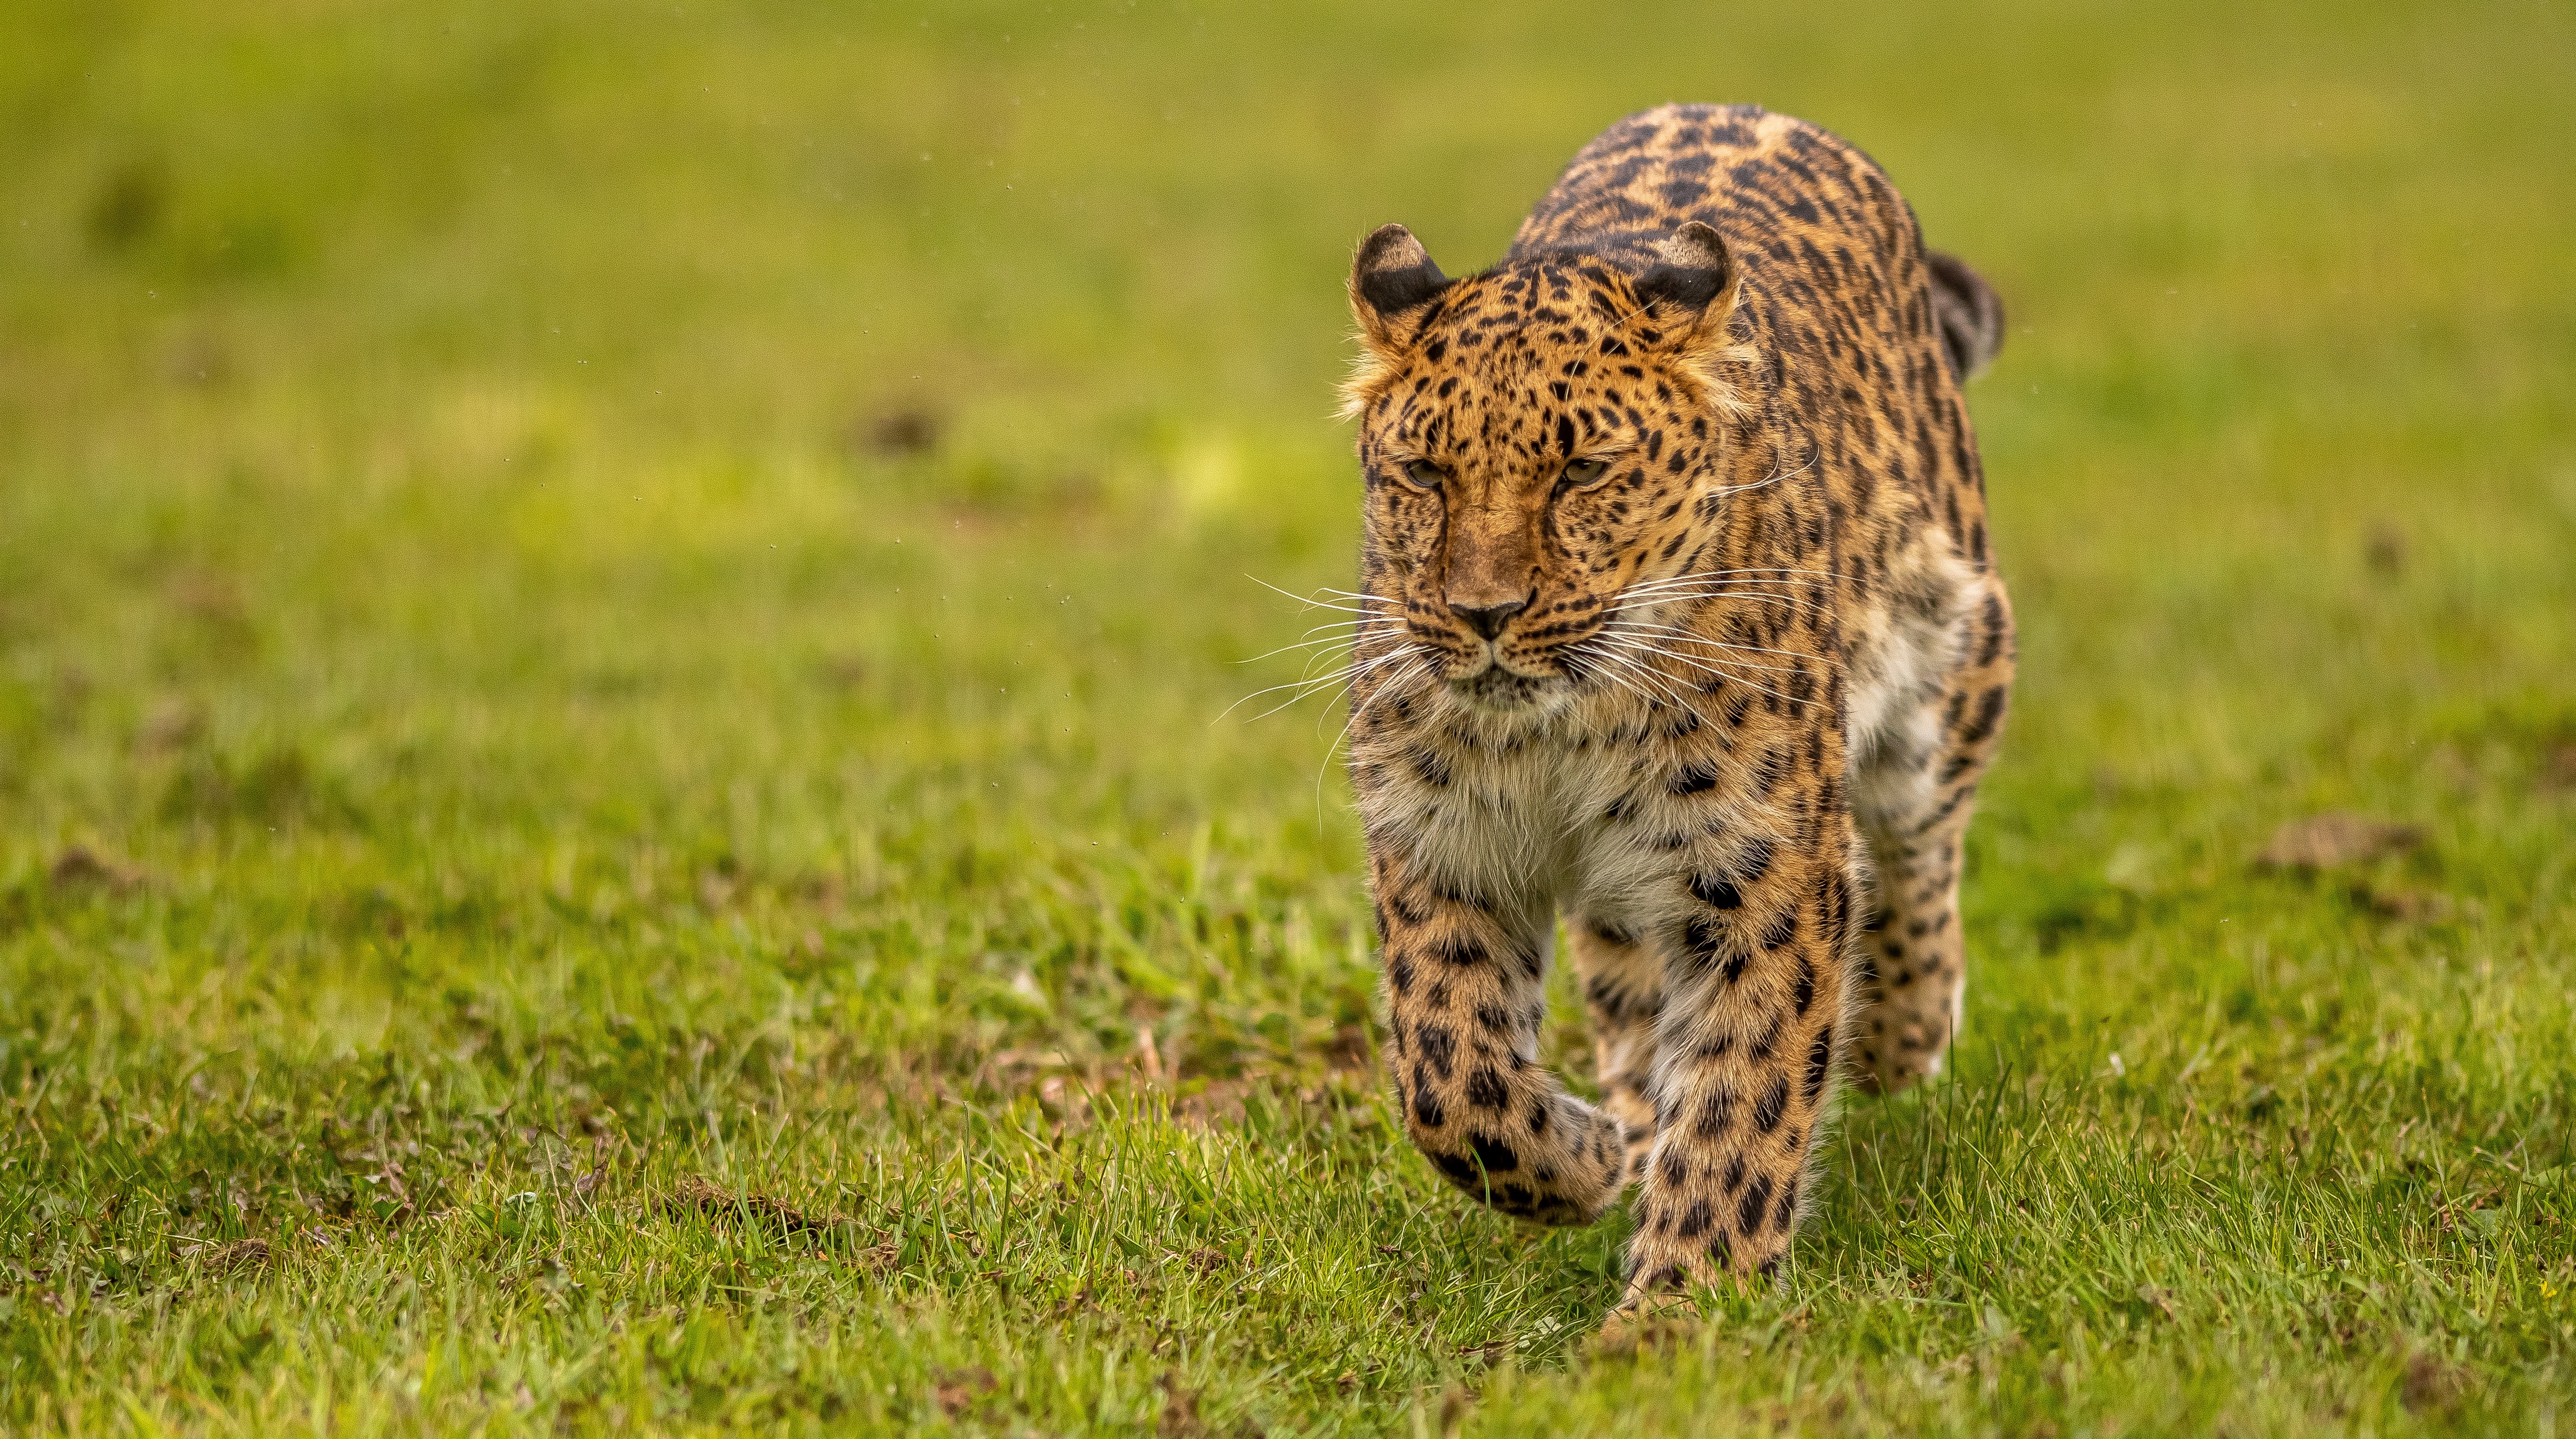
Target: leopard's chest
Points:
(1592, 808)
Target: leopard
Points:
(1679, 631)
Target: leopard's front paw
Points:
(1563, 1164)
(1671, 1253)
(1661, 1272)
(1648, 1319)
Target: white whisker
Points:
(1391, 681)
(1642, 645)
(1742, 570)
(1814, 453)
(1608, 671)
(1632, 628)
(1627, 654)
(1327, 641)
(1311, 602)
(1305, 686)
(1345, 678)
(1639, 646)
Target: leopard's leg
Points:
(1466, 998)
(1746, 1052)
(1623, 991)
(1913, 802)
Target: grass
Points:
(561, 869)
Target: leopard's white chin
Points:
(1502, 691)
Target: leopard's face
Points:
(1537, 444)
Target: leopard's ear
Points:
(1690, 292)
(1693, 277)
(1392, 279)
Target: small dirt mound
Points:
(2335, 839)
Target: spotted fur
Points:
(1679, 622)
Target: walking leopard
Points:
(1679, 623)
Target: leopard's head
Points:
(1536, 441)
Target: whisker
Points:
(1360, 672)
(1609, 671)
(1814, 453)
(1360, 596)
(1651, 647)
(1697, 638)
(1794, 592)
(1710, 668)
(1345, 678)
(1679, 633)
(1355, 637)
(1399, 677)
(1311, 602)
(1701, 663)
(1627, 655)
(1671, 691)
(1665, 689)
(1781, 601)
(1654, 647)
(1715, 585)
(1306, 685)
(1742, 570)
(1355, 621)
(1585, 667)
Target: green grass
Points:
(547, 881)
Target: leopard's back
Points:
(1839, 294)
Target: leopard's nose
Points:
(1487, 620)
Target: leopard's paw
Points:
(1644, 1324)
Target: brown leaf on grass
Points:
(80, 867)
(1217, 1102)
(207, 595)
(2337, 838)
(2414, 906)
(959, 1389)
(899, 432)
(1180, 1413)
(2431, 1383)
(695, 1193)
(1659, 1324)
(1065, 1103)
(1349, 1051)
(2385, 549)
(717, 888)
(1454, 1406)
(1181, 1419)
(172, 724)
(238, 1255)
(2559, 770)
(843, 672)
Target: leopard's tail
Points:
(1969, 312)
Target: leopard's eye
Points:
(1583, 474)
(1422, 475)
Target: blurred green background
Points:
(542, 543)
